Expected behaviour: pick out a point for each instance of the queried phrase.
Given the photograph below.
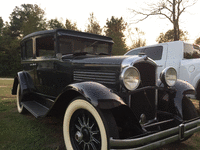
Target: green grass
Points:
(5, 88)
(25, 132)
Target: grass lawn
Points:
(25, 132)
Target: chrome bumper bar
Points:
(158, 139)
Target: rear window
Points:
(191, 51)
(154, 53)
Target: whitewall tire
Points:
(83, 127)
(20, 107)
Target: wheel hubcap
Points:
(78, 136)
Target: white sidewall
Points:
(19, 108)
(82, 104)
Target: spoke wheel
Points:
(84, 131)
(84, 128)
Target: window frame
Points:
(37, 50)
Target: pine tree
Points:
(114, 29)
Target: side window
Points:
(23, 53)
(190, 51)
(154, 53)
(135, 52)
(27, 50)
(45, 47)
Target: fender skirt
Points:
(96, 93)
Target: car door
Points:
(45, 79)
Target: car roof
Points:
(70, 33)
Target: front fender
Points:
(182, 89)
(96, 93)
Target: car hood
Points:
(120, 61)
(108, 60)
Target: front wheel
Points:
(84, 128)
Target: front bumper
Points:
(158, 139)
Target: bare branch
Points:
(170, 2)
(154, 12)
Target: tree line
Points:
(28, 18)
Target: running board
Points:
(35, 108)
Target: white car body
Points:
(184, 57)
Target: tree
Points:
(114, 29)
(169, 36)
(70, 26)
(1, 25)
(93, 26)
(55, 24)
(1, 28)
(138, 41)
(27, 19)
(9, 53)
(197, 41)
(169, 9)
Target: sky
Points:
(79, 11)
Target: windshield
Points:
(154, 53)
(72, 45)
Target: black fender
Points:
(26, 83)
(182, 88)
(97, 94)
(103, 99)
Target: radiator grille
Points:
(144, 101)
(100, 77)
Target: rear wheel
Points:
(85, 128)
(20, 107)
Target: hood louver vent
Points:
(100, 77)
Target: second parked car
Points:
(184, 57)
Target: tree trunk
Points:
(175, 21)
(178, 32)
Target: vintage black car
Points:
(108, 102)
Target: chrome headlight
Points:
(130, 78)
(168, 76)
